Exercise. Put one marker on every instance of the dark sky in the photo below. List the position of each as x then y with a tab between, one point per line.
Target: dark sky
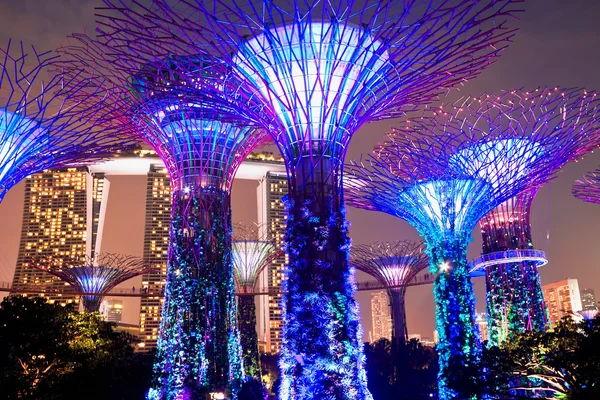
558	45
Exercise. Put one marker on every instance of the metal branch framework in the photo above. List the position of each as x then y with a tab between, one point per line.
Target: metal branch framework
177	105
38	128
98	273
443	171
515	301
252	252
393	264
588	188
321	70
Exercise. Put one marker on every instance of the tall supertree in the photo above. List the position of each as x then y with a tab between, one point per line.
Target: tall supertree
38	129
177	106
252	252
442	172
515	300
393	264
588	188
96	274
322	70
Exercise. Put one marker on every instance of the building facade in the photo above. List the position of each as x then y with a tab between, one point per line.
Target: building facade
588	300
63	214
482	323
112	310
381	317
272	189
156	241
563	299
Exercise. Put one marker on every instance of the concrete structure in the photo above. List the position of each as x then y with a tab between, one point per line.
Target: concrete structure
63	217
112	310
271	217
381	317
563	299
588	300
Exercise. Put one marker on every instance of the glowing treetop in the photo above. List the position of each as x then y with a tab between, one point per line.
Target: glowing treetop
325	68
588	188
250	257
94	275
38	129
394	265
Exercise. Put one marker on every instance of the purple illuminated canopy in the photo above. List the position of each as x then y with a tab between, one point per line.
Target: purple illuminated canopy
588	188
44	122
97	274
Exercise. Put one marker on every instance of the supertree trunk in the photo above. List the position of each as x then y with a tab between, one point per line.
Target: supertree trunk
400	331
322	355
248	335
91	303
515	300
514	296
458	343
198	318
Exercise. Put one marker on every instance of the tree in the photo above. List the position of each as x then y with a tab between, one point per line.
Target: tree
48	351
562	363
401	370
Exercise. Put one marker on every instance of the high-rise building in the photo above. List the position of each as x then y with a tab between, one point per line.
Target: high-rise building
156	240
562	298
62	217
112	310
273	187
588	300
381	316
482	323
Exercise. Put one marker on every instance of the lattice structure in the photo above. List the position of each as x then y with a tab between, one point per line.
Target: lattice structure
97	274
588	188
38	130
252	252
444	171
515	300
393	264
322	69
173	102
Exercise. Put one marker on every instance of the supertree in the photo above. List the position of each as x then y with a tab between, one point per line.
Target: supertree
252	252
96	274
38	130
515	300
443	171
323	69
393	264
588	188
176	105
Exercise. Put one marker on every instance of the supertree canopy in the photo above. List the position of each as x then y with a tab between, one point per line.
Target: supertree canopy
97	274
252	252
177	107
442	172
38	130
588	188
515	300
393	264
322	69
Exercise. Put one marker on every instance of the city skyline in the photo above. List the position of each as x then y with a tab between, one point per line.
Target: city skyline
555	46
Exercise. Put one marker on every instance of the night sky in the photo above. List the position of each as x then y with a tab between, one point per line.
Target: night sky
557	45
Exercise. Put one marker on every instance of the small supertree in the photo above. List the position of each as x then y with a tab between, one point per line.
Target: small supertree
38	128
252	252
176	105
393	264
442	172
97	274
515	300
322	70
588	188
